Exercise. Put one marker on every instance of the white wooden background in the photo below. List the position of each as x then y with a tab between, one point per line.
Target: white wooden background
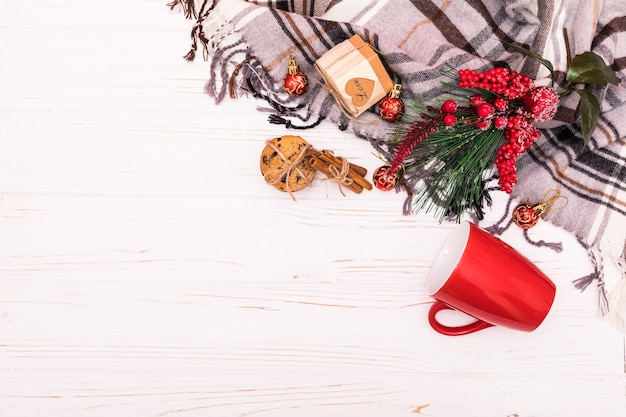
146	269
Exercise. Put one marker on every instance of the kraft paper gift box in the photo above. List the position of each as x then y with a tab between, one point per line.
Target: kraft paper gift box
354	73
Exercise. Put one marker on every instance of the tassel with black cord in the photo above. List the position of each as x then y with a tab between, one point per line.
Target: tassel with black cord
278	120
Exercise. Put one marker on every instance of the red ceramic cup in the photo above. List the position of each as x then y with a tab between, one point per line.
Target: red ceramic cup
480	275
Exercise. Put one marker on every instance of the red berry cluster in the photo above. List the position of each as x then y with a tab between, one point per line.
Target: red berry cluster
519	134
502	99
501	81
516	105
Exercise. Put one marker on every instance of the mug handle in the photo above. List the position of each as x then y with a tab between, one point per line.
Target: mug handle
453	331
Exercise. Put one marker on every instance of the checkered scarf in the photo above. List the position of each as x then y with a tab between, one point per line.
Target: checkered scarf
248	43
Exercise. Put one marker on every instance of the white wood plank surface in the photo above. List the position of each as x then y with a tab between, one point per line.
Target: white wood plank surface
146	269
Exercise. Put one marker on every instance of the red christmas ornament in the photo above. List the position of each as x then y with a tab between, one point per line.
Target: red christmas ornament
526	215
383	179
295	82
391	108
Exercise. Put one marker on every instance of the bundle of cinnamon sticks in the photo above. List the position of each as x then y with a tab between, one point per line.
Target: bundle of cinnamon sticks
339	170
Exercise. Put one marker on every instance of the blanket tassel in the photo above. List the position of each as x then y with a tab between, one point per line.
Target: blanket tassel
279	120
616	300
555	246
612	305
187	6
197	32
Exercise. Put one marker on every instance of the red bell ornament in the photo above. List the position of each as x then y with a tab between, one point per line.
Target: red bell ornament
391	108
295	82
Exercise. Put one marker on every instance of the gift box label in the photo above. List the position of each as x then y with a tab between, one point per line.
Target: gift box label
355	75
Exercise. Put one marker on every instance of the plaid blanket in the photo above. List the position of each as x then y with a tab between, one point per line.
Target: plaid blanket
249	42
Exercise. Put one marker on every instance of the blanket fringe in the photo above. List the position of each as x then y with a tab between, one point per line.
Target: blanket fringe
279	120
616	300
555	246
233	69
255	80
218	86
611	305
197	31
497	228
187	6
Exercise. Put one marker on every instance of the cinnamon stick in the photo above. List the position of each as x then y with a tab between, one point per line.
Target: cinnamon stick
357	169
333	160
319	164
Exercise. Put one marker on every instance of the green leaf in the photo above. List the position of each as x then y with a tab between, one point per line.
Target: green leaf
590	68
533	55
589	112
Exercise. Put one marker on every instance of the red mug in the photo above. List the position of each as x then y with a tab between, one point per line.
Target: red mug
480	275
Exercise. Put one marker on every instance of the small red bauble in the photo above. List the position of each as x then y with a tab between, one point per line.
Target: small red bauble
383	180
526	215
391	108
295	82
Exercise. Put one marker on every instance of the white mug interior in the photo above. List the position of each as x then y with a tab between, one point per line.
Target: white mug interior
448	257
